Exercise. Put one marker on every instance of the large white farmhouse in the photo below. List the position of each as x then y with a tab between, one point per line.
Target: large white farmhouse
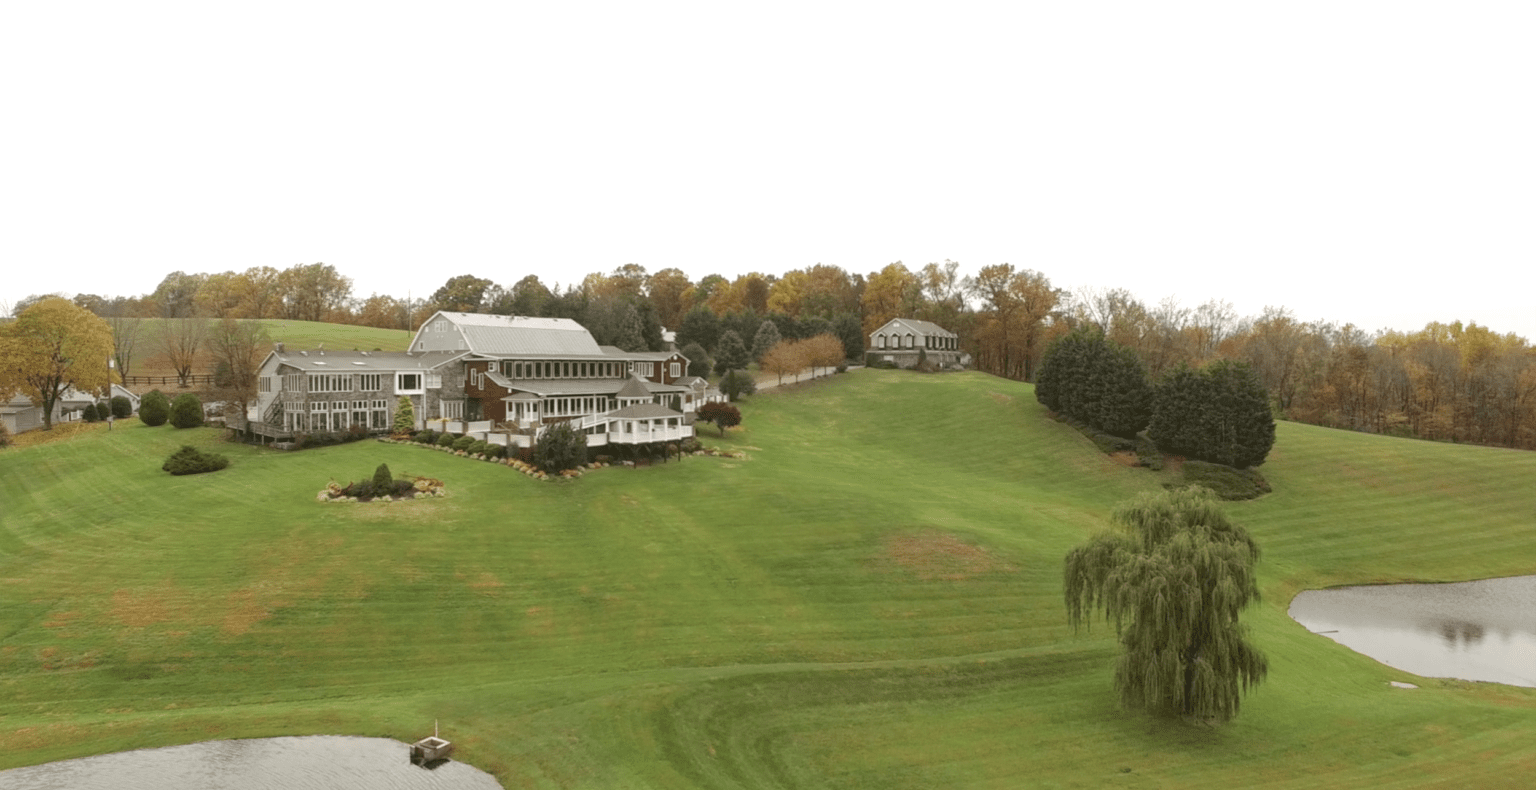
501	378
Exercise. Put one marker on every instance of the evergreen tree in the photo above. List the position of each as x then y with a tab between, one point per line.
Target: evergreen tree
699	361
1173	587
559	447
699	326
730	353
405	416
383	481
1219	414
849	330
1096	382
630	335
767	337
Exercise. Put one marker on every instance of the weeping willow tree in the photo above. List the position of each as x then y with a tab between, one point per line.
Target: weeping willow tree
1173	584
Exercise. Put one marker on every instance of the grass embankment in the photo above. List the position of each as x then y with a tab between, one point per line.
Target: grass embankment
872	599
296	335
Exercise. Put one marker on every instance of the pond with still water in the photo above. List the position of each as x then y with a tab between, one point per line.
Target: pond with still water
1483	630
322	762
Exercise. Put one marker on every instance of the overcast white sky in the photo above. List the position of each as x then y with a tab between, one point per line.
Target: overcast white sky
1365	162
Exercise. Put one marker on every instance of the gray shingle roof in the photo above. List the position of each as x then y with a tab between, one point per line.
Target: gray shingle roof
322	361
635	388
643	411
916	326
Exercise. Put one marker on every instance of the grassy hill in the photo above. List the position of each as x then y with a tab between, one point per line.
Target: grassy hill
149	361
871	599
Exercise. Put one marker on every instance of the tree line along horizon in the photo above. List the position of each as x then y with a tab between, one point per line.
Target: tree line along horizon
1448	381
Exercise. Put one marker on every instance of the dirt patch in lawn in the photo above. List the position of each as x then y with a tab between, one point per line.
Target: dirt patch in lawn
486	584
141	609
1125	458
940	556
1000	397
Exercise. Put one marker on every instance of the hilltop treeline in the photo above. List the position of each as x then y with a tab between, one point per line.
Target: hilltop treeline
1451	382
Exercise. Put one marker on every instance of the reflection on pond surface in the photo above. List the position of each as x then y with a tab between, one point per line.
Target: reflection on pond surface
322	762
1484	630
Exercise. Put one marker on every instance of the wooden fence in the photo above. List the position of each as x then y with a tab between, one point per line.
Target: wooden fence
130	381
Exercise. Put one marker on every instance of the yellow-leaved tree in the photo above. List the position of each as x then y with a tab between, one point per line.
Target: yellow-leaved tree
53	346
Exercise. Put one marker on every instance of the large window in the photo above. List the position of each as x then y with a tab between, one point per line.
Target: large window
330	382
369	382
677	370
378	411
407	382
645	369
452	409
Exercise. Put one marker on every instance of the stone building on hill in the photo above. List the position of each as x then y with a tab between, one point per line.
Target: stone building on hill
904	340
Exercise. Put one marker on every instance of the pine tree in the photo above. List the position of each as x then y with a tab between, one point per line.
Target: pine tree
405	416
631	331
1090	379
1218	414
1174	587
766	338
731	353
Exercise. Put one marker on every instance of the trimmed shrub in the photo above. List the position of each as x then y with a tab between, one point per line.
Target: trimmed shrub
445	439
427	436
463	442
186	411
318	439
382	481
122	407
190	461
493	450
154	408
477	447
738	383
89	413
1224	481
560	447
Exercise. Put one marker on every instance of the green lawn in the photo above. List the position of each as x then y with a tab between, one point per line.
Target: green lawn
871	599
296	335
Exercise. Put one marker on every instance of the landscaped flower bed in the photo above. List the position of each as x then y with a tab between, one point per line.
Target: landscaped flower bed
365	491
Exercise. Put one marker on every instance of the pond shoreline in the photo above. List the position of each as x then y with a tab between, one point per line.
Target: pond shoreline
300	762
1482	630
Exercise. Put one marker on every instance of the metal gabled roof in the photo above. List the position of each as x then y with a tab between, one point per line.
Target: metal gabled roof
512	335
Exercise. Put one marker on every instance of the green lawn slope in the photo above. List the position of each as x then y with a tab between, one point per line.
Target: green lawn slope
296	335
872	598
